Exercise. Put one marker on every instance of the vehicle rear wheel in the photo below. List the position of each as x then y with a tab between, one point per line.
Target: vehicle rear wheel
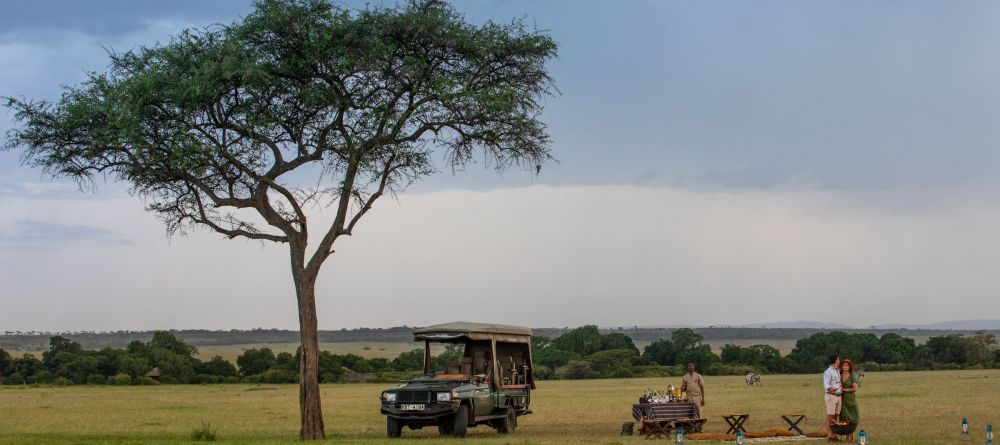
461	425
393	427
508	424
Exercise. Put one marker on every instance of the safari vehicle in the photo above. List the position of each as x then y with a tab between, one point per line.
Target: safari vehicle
491	385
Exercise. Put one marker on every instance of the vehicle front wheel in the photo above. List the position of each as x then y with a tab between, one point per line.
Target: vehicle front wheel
393	427
461	426
508	424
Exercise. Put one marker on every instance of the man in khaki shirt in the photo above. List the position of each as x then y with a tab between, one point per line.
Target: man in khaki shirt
694	385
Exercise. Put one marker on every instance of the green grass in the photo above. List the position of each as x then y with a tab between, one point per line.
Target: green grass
896	408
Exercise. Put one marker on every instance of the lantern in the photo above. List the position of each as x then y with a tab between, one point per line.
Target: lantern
989	434
965	427
862	438
739	438
679	436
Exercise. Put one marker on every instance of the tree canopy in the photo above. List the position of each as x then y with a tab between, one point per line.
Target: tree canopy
302	104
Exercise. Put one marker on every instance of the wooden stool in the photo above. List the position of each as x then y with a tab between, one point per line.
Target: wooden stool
793	425
736	422
655	429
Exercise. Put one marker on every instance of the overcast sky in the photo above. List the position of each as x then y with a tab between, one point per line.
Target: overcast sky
719	163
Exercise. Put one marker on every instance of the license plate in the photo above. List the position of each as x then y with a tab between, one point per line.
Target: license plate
413	407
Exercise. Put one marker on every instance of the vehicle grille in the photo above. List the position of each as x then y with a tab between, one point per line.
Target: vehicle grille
413	396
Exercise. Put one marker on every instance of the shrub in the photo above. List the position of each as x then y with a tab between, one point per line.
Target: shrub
394	376
541	372
273	376
62	381
120	379
576	369
280	376
207	379
96	379
144	381
43	376
652	371
331	377
14	379
724	369
205	433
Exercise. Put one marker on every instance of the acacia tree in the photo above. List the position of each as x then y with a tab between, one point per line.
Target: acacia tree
241	128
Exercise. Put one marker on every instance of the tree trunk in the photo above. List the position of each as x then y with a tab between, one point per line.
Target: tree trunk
309	403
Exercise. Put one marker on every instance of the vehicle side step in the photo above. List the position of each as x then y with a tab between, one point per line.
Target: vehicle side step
488	418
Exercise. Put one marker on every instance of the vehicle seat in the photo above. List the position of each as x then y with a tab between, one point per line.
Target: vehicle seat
466	365
479	362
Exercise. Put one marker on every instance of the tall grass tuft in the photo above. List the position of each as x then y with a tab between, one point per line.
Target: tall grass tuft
205	433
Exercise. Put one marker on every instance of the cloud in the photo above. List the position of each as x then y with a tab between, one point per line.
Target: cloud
39	188
26	234
539	256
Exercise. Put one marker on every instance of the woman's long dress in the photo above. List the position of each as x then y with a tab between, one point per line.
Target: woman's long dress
849	404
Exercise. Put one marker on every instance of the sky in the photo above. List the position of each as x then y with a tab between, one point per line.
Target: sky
719	163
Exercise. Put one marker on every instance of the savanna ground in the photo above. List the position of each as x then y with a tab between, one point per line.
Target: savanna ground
896	408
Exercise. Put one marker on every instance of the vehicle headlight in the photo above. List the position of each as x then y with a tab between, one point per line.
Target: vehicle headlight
444	397
389	396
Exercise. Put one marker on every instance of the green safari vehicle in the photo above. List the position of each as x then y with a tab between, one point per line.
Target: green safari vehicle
491	385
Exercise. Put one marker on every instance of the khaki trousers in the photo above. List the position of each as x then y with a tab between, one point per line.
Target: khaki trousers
696	400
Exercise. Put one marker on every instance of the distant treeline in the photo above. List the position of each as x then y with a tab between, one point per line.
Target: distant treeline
167	359
36	341
580	353
587	353
39	341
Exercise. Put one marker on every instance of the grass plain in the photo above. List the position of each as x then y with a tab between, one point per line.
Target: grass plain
896	408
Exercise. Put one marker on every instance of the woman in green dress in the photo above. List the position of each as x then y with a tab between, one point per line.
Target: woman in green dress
848	402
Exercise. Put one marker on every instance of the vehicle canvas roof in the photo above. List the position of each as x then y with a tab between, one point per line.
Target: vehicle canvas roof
473	331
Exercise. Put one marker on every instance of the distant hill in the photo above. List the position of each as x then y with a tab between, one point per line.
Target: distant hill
961	325
777	333
798	325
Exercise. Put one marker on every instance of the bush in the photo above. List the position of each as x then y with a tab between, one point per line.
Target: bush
62	381
394	376
43	376
14	379
737	369
96	379
273	376
332	377
541	372
207	379
576	369
120	379
144	381
652	371
205	433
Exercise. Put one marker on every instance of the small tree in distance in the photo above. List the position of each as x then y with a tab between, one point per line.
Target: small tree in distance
240	128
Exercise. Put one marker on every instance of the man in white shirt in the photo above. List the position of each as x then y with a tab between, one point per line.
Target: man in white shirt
833	390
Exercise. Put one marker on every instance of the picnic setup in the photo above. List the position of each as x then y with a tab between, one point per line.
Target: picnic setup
670	415
659	413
